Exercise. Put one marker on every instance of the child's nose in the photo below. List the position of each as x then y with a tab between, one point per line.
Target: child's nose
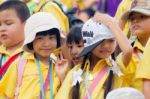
2	28
74	51
46	42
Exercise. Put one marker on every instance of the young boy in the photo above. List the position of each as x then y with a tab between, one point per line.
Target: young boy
13	15
39	76
139	16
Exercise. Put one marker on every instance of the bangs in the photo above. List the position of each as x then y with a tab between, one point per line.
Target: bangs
74	36
53	31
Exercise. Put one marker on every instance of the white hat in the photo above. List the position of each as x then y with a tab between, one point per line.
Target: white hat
125	93
93	34
41	21
139	6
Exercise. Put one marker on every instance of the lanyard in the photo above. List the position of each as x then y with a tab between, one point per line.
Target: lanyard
3	56
87	86
41	78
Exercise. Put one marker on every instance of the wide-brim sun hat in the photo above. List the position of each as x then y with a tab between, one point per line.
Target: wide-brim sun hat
93	34
41	21
138	6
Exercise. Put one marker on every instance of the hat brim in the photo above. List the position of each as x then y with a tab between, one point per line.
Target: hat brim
88	49
127	14
30	38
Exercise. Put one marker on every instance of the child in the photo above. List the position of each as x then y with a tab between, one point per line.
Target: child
125	93
143	71
13	15
139	17
75	44
39	79
86	14
94	78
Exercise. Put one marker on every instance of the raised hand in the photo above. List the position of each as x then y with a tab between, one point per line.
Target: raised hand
61	67
105	19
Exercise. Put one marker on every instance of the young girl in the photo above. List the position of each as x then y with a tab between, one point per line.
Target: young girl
94	78
75	44
39	77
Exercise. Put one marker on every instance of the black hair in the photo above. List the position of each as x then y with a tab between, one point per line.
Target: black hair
89	11
76	88
75	35
53	31
20	8
72	19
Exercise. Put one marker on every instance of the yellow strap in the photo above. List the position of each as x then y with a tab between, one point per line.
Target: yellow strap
37	9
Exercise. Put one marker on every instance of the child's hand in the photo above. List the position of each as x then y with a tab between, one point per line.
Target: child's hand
61	67
105	19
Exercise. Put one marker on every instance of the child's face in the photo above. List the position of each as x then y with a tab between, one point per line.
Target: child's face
74	50
105	49
43	46
11	28
140	24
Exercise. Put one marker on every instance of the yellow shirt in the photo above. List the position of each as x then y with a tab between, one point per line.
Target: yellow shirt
143	71
98	92
30	86
8	55
123	7
1	1
129	79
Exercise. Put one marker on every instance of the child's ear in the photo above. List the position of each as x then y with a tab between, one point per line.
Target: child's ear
24	23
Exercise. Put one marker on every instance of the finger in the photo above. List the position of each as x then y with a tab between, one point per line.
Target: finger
61	56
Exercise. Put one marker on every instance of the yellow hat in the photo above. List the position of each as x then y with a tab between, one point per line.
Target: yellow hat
54	9
69	3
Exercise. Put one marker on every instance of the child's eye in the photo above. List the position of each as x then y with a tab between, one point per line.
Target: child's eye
52	37
80	46
111	40
69	46
142	17
9	23
39	38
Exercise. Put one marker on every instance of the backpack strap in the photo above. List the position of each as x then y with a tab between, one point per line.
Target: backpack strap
40	6
21	66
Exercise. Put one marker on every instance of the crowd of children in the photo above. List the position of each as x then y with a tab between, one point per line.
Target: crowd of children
55	49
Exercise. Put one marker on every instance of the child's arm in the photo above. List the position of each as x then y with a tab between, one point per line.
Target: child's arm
121	39
146	88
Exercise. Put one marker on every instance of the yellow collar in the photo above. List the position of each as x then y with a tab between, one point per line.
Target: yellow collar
138	45
4	51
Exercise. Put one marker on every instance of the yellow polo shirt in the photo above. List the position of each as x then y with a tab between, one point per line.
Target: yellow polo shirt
129	78
98	93
30	86
8	55
143	71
